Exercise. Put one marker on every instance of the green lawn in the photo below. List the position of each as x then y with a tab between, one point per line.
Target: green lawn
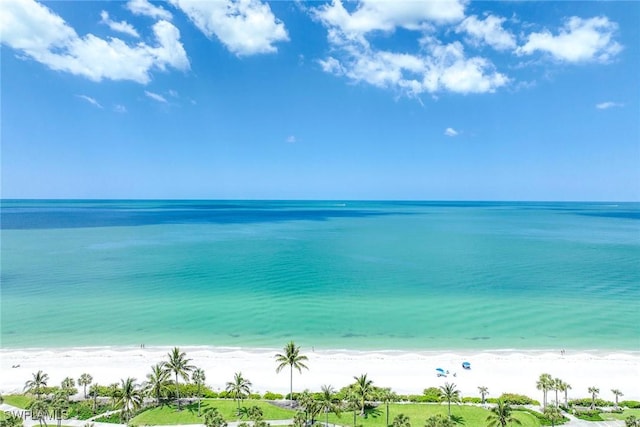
18	400
609	416
168	415
417	413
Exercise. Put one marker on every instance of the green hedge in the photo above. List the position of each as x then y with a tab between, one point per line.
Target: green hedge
587	401
632	404
589	415
514	399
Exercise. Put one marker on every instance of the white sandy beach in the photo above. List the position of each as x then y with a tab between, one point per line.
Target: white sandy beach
404	372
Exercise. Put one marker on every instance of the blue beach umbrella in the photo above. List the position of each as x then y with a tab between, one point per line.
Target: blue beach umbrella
466	365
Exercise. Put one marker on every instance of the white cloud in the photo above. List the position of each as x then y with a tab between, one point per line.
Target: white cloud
143	7
118	108
156	97
488	31
580	40
121	27
90	100
291	139
450	132
607	105
372	15
245	27
433	68
35	31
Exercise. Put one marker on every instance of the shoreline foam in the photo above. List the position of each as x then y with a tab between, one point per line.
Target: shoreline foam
405	371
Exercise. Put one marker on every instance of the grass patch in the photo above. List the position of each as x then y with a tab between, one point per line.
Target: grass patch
113	419
610	416
418	413
169	415
18	400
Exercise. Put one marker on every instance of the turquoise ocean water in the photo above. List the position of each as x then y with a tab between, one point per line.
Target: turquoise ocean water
334	275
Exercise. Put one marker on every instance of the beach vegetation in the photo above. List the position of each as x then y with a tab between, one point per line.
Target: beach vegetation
450	394
541	418
178	364
553	414
588	414
483	393
10	420
594	393
386	396
431	395
633	404
588	401
329	403
401	420
85	380
110	418
545	383
39	411
130	399
272	396
439	421
22	401
501	415
198	377
213	418
514	399
157	383
291	357
363	388
36	384
240	388
617	393
632	421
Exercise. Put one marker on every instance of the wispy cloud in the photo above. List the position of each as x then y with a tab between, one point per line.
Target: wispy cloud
121	27
451	132
119	108
156	97
143	7
90	100
291	139
607	105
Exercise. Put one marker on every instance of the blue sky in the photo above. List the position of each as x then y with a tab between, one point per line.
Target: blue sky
248	99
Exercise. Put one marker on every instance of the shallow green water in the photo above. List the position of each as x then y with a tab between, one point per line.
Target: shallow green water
358	275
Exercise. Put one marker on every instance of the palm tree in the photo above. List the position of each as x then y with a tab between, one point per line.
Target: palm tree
328	401
387	396
545	382
353	402
239	388
39	410
617	393
198	378
157	383
563	387
553	414
501	415
93	392
311	406
566	387
299	419
68	384
292	357
114	393
631	421
36	384
450	394
213	418
130	398
483	392
401	420
594	393
363	389
84	381
59	404
179	365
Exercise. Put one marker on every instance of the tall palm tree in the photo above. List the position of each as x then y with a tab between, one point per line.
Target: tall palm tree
213	418
39	411
328	401
594	393
545	382
617	393
386	396
401	420
198	379
557	386
311	406
353	402
483	393
450	393
114	393
93	392
130	399
157	383
35	385
179	365
239	388
291	357
363	389
563	387
84	381
566	387
59	404
501	415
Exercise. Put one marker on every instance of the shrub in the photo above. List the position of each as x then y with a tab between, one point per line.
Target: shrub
255	396
431	394
542	419
631	404
517	399
272	396
81	411
588	415
113	419
471	400
586	402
